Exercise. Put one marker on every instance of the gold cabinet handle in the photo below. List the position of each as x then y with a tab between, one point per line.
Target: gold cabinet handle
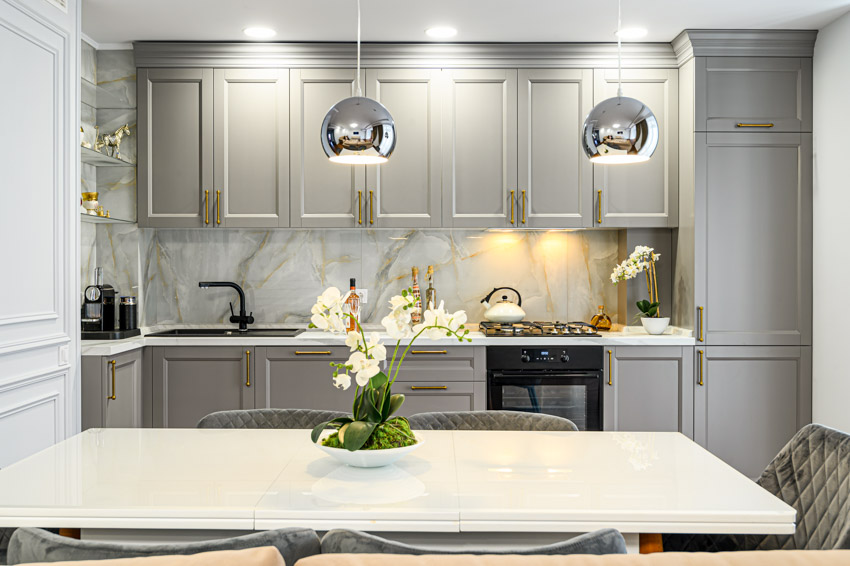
206	207
700	355
371	207
523	206
360	207
599	206
113	396
513	193
310	353
218	207
418	387
745	125
699	333
610	367
247	368
417	352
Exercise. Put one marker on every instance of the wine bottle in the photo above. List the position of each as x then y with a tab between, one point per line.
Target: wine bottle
416	310
430	292
352	307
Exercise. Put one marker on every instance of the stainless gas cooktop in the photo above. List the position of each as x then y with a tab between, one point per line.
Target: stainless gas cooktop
527	328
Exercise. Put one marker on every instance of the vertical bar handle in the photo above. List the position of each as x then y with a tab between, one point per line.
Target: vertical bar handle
218	207
206	206
247	368
700	337
371	207
523	206
610	369
513	202
113	396
700	354
599	206
360	207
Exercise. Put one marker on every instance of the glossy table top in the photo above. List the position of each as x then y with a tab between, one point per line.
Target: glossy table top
456	481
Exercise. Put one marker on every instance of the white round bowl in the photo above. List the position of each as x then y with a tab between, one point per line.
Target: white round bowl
368	458
655	325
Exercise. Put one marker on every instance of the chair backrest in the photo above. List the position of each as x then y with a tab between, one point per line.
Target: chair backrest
344	541
37	545
268	418
489	420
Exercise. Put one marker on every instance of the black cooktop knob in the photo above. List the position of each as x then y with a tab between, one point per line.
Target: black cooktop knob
565	358
525	358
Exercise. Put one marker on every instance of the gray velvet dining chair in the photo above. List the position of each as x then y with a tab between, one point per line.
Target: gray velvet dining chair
344	541
5	535
37	545
490	420
268	418
812	475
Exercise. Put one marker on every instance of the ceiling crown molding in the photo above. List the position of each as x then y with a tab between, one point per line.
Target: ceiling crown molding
743	43
408	55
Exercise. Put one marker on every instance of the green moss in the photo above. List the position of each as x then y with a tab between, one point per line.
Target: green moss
395	433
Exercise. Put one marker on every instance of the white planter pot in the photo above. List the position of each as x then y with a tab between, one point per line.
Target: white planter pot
655	325
368	458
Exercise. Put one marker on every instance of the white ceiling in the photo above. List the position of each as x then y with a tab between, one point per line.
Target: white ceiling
122	21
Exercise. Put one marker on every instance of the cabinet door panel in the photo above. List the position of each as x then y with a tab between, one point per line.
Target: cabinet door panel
421	397
323	194
405	192
553	171
753	90
641	195
252	147
125	410
754	224
479	148
191	382
441	364
175	147
301	378
751	402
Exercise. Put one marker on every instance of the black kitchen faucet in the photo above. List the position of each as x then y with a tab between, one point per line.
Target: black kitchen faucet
243	319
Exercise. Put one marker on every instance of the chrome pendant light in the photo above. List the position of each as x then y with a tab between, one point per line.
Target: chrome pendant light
620	129
358	130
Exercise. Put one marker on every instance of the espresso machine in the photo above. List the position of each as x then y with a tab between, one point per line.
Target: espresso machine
98	312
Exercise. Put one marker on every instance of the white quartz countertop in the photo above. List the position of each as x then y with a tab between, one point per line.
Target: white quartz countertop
456	481
629	336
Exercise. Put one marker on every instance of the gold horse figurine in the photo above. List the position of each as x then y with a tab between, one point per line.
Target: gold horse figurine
112	142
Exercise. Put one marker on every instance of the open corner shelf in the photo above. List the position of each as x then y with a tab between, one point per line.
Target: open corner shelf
101	99
88	155
92	219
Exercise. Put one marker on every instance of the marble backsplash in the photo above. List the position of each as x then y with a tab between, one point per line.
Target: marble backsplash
561	275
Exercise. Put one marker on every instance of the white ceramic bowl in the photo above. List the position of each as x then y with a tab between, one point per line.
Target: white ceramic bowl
367	458
655	325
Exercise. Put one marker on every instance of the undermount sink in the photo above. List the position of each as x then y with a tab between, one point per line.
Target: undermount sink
230	332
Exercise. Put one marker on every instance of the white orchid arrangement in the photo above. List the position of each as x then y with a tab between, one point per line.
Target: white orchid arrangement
374	402
641	260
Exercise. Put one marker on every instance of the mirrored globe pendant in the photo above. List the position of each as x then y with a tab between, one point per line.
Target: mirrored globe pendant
358	131
620	130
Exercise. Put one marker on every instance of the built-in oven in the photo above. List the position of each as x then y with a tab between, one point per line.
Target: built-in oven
565	381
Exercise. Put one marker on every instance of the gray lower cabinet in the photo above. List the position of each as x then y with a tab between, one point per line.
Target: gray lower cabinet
753	94
749	401
251	154
443	379
175	147
641	195
649	389
753	239
300	378
190	382
112	391
555	178
429	396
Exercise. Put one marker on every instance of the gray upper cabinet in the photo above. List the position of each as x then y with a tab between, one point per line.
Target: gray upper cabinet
405	191
175	126
251	148
322	194
479	148
190	382
641	195
301	378
749	401
753	244
112	391
649	389
555	186
753	94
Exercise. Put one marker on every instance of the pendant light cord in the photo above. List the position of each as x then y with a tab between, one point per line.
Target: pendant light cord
619	47
357	79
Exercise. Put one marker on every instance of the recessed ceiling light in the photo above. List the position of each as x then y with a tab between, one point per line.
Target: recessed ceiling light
441	32
259	33
631	33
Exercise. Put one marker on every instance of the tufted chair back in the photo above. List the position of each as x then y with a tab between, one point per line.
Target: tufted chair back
489	420
268	418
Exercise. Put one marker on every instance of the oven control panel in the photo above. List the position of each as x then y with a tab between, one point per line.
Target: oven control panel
551	355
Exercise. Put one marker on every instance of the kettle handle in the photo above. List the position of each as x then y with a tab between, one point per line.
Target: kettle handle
518	296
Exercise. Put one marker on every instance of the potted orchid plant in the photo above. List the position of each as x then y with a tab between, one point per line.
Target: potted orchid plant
643	260
371	425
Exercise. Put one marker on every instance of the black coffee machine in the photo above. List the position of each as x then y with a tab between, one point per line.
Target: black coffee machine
98	313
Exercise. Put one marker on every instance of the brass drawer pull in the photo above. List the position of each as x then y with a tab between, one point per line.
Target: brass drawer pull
247	368
429	352
206	207
371	207
360	207
218	207
700	355
699	334
513	192
599	206
113	396
745	125
523	206
418	387
610	367
310	353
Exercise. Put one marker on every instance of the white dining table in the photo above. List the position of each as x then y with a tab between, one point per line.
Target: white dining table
459	487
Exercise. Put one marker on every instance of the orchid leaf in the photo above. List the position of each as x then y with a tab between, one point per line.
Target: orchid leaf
317	431
371	410
395	402
357	433
379	379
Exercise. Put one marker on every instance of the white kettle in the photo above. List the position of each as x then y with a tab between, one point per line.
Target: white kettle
504	310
